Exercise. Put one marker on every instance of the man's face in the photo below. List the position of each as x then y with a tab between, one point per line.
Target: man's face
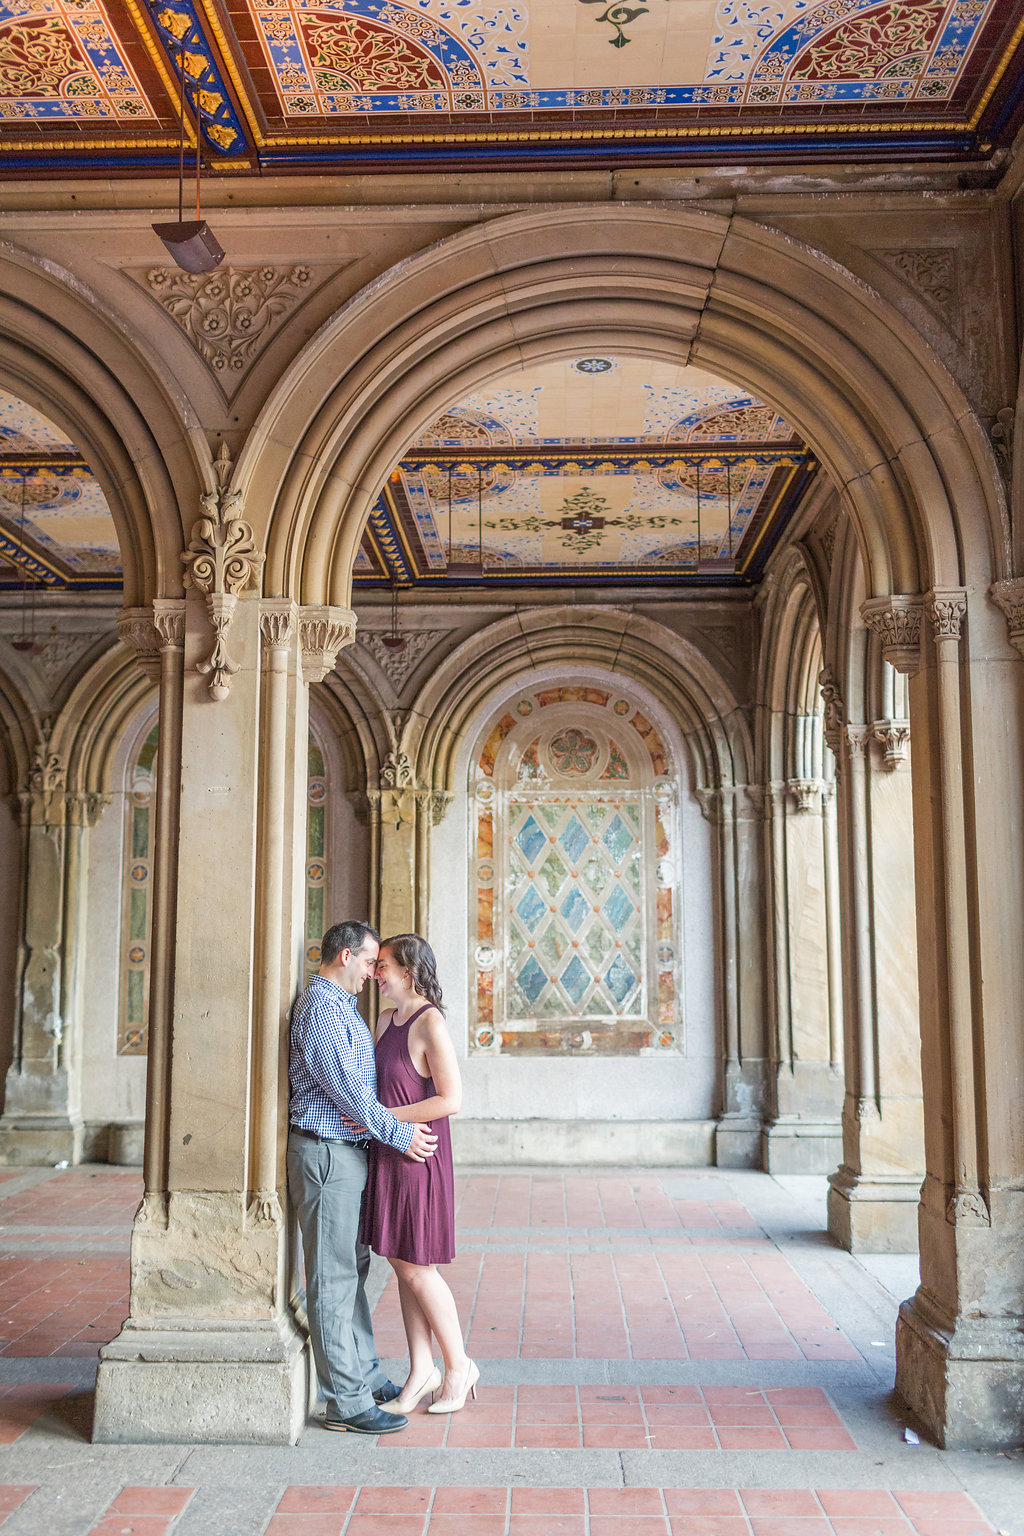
359	965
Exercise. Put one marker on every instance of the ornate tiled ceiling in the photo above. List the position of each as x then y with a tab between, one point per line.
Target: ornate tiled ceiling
55	526
293	84
577	469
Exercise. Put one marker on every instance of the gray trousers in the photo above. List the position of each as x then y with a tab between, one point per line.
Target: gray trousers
325	1185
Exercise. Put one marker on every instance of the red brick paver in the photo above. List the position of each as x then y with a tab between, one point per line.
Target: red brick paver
482	1511
140	1511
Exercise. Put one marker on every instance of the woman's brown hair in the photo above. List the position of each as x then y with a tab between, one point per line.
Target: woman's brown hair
415	955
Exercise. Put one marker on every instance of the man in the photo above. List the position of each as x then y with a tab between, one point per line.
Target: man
333	1079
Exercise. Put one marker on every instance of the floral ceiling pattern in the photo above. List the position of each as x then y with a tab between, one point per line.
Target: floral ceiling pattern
366	81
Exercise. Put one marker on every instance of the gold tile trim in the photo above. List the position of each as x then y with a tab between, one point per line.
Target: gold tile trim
228	61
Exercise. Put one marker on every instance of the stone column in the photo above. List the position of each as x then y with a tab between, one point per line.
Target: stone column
960	1340
736	811
210	1351
872	1203
42	1119
804	1135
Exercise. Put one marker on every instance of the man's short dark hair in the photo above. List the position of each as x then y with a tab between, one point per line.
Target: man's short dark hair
348	935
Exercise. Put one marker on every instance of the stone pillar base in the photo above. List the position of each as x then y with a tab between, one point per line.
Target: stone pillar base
737	1142
801	1146
40	1141
245	1385
867	1215
965	1384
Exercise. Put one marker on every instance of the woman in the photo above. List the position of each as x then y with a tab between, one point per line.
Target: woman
409	1207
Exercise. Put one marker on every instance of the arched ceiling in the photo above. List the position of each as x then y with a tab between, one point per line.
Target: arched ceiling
575	469
90	85
55	525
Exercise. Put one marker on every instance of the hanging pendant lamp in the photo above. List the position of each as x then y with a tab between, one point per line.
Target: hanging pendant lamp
191	243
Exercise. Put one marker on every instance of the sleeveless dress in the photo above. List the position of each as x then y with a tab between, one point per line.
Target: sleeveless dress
408	1207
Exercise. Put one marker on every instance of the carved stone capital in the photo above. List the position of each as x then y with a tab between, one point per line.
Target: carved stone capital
324	632
137	630
896	620
946	610
805	794
857	739
894	738
169	622
1008	597
84	808
710	801
277	622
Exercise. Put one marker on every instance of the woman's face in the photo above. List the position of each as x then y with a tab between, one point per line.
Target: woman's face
392	978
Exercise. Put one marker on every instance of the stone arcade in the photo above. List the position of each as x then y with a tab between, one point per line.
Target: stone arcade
782	782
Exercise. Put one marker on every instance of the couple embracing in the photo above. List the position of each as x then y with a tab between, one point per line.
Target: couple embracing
370	1167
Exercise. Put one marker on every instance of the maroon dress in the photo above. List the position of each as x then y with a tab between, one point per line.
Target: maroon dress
408	1207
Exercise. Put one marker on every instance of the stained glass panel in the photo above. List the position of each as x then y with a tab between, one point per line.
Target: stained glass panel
136	903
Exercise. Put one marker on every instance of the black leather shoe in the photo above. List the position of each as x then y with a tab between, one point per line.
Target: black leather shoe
386	1392
373	1422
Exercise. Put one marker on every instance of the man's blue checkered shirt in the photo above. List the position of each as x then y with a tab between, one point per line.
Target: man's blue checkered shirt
331	1070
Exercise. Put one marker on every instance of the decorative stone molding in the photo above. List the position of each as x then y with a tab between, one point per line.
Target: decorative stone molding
1001	435
1008	597
896	620
835	713
440	801
805	794
894	738
933	271
968	1208
221	561
946	611
323	632
396	664
58	654
828	541
137	630
43	800
397	772
230	315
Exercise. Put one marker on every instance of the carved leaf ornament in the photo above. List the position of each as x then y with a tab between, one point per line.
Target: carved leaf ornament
221	561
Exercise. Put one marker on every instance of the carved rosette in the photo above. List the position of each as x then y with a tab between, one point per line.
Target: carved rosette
896	621
137	630
946	610
1008	597
221	561
323	633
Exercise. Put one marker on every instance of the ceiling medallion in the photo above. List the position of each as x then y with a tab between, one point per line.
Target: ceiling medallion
593	365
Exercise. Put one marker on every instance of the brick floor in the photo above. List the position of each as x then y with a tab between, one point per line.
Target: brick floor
483	1511
621	1330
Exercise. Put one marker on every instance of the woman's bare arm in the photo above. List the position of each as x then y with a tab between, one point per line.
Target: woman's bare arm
442	1065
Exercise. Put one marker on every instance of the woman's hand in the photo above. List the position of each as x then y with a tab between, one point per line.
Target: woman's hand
353	1125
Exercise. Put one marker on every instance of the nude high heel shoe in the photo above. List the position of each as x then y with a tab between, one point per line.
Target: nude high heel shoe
406	1401
453	1404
